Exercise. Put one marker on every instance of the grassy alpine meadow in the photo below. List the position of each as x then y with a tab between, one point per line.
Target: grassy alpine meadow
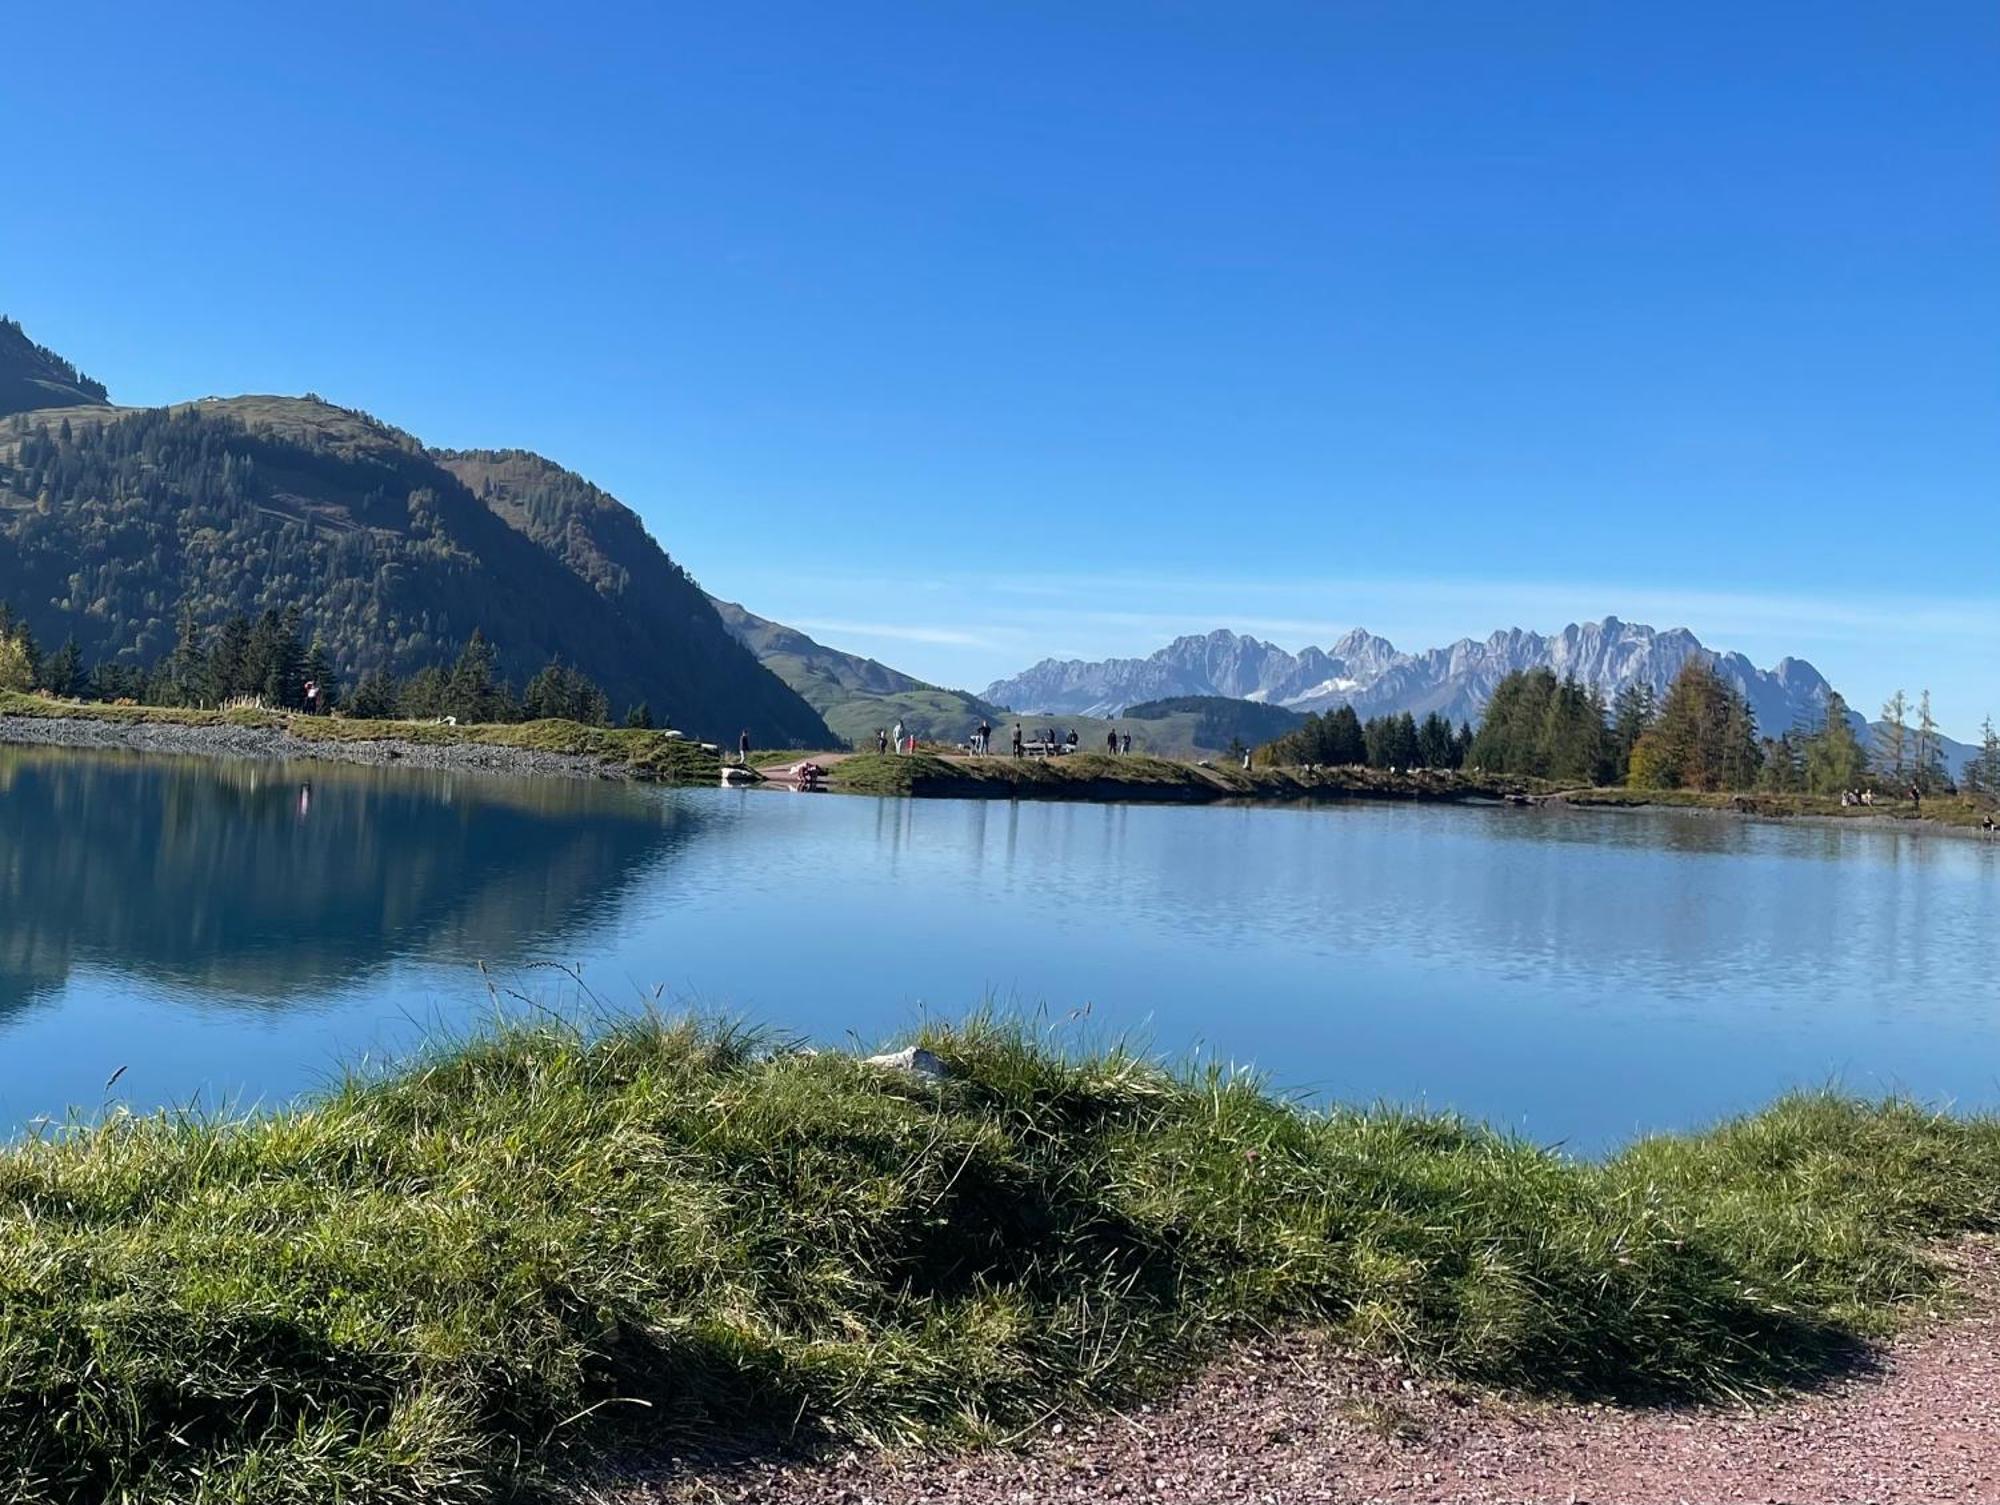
463	1281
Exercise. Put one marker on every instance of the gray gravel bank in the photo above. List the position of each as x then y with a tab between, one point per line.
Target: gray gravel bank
259	742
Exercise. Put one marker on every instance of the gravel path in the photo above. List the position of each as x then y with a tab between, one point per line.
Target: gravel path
1299	1421
260	742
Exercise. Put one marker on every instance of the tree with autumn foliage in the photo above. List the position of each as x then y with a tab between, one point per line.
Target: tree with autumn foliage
1704	736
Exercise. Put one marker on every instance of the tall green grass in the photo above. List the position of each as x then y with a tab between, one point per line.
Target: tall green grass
453	1283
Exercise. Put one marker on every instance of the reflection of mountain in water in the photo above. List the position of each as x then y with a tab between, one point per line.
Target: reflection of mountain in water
259	883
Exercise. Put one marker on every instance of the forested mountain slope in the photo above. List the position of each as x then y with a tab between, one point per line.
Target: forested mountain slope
33	376
113	519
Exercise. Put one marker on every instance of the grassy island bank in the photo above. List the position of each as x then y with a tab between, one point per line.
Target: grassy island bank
622	752
1099	776
459	1282
1966	811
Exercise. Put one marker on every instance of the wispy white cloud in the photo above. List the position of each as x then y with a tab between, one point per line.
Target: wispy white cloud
895	632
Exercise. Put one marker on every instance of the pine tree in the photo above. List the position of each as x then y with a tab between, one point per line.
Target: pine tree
1927	762
63	674
1834	761
374	697
1892	744
640	717
1704	737
474	693
425	694
1631	714
185	668
1434	742
229	660
1783	770
1342	742
1985	765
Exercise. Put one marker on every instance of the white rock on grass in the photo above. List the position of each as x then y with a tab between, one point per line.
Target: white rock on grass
914	1059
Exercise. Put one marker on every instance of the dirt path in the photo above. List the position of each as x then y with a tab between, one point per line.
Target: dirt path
1297	1421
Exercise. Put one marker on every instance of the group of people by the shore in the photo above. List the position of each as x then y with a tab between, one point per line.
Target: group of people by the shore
1044	741
896	740
1851	797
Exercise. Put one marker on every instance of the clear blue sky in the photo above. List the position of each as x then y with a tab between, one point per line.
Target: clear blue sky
1030	328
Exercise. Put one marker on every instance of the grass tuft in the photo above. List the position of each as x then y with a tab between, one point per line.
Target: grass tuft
451	1283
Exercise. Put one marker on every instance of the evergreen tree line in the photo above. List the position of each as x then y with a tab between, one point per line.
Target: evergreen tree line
269	659
1341	738
1700	735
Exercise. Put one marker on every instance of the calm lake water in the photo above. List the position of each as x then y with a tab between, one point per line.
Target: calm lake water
236	931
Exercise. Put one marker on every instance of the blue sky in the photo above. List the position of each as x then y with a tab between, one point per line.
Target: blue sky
966	334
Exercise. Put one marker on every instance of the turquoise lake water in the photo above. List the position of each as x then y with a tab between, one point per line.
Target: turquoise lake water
236	932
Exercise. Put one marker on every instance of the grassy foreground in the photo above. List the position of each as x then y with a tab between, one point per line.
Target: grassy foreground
637	754
454	1283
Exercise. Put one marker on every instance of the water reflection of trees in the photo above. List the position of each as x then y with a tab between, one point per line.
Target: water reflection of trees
262	883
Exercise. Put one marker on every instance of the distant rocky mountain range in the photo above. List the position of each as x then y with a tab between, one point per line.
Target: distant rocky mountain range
1376	678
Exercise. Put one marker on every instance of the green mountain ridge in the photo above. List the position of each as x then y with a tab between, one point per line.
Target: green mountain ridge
33	376
112	518
857	696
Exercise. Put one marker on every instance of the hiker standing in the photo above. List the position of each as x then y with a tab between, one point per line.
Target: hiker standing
881	739
1125	740
743	747
1018	751
1111	743
899	737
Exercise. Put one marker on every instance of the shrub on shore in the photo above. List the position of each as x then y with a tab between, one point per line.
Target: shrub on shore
451	1283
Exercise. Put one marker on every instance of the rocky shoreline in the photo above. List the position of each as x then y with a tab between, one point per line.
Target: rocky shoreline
100	733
